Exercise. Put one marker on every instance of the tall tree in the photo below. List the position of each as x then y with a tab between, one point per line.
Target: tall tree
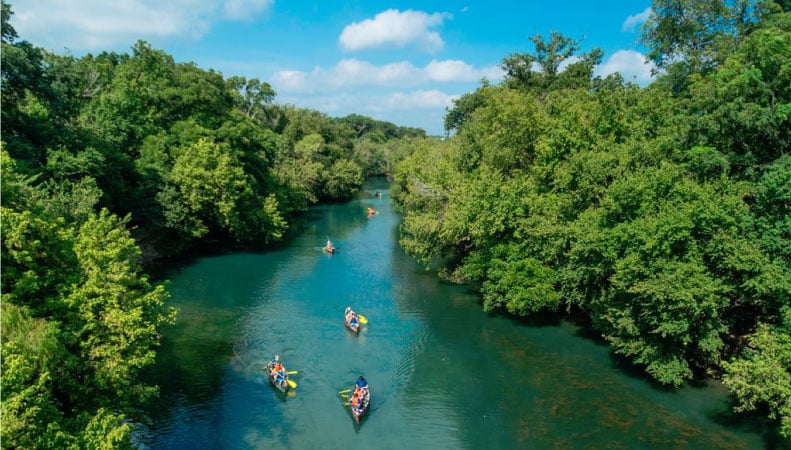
541	72
8	33
695	36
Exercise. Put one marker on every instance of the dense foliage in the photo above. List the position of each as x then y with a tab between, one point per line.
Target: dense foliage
660	215
109	160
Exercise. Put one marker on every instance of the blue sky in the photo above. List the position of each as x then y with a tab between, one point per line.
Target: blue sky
400	61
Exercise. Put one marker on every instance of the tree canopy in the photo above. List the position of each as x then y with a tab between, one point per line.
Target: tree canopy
110	161
656	215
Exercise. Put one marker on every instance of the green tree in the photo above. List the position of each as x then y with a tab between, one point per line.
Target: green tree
79	320
762	377
8	31
119	312
540	72
512	280
251	96
695	36
741	109
32	353
342	179
464	106
210	183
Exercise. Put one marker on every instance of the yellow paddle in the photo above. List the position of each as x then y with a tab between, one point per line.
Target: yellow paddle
292	372
345	390
363	320
292	384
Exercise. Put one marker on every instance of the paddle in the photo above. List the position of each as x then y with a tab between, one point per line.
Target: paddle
292	384
292	372
345	390
363	320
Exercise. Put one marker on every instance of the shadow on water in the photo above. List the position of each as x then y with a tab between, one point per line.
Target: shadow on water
539	319
753	422
162	269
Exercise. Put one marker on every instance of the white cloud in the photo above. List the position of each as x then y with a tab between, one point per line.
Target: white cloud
452	70
104	24
290	80
632	65
354	72
431	99
393	28
398	92
565	63
634	20
245	9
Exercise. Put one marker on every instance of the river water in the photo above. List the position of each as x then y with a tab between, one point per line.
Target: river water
443	374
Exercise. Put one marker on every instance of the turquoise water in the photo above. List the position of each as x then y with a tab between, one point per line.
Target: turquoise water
443	374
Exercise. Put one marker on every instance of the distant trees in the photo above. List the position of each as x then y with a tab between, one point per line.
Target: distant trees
159	140
655	214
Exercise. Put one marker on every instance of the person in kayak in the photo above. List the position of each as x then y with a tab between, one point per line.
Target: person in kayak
351	316
361	387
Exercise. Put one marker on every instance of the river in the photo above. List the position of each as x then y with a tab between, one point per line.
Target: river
443	373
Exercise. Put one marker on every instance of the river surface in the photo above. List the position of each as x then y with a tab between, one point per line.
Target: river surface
443	374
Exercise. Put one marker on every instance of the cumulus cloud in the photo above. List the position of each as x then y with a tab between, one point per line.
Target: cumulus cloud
632	65
393	28
430	99
245	9
398	92
354	72
563	64
102	24
635	20
452	70
290	80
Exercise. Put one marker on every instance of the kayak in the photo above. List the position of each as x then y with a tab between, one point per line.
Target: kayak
353	327
282	384
365	403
